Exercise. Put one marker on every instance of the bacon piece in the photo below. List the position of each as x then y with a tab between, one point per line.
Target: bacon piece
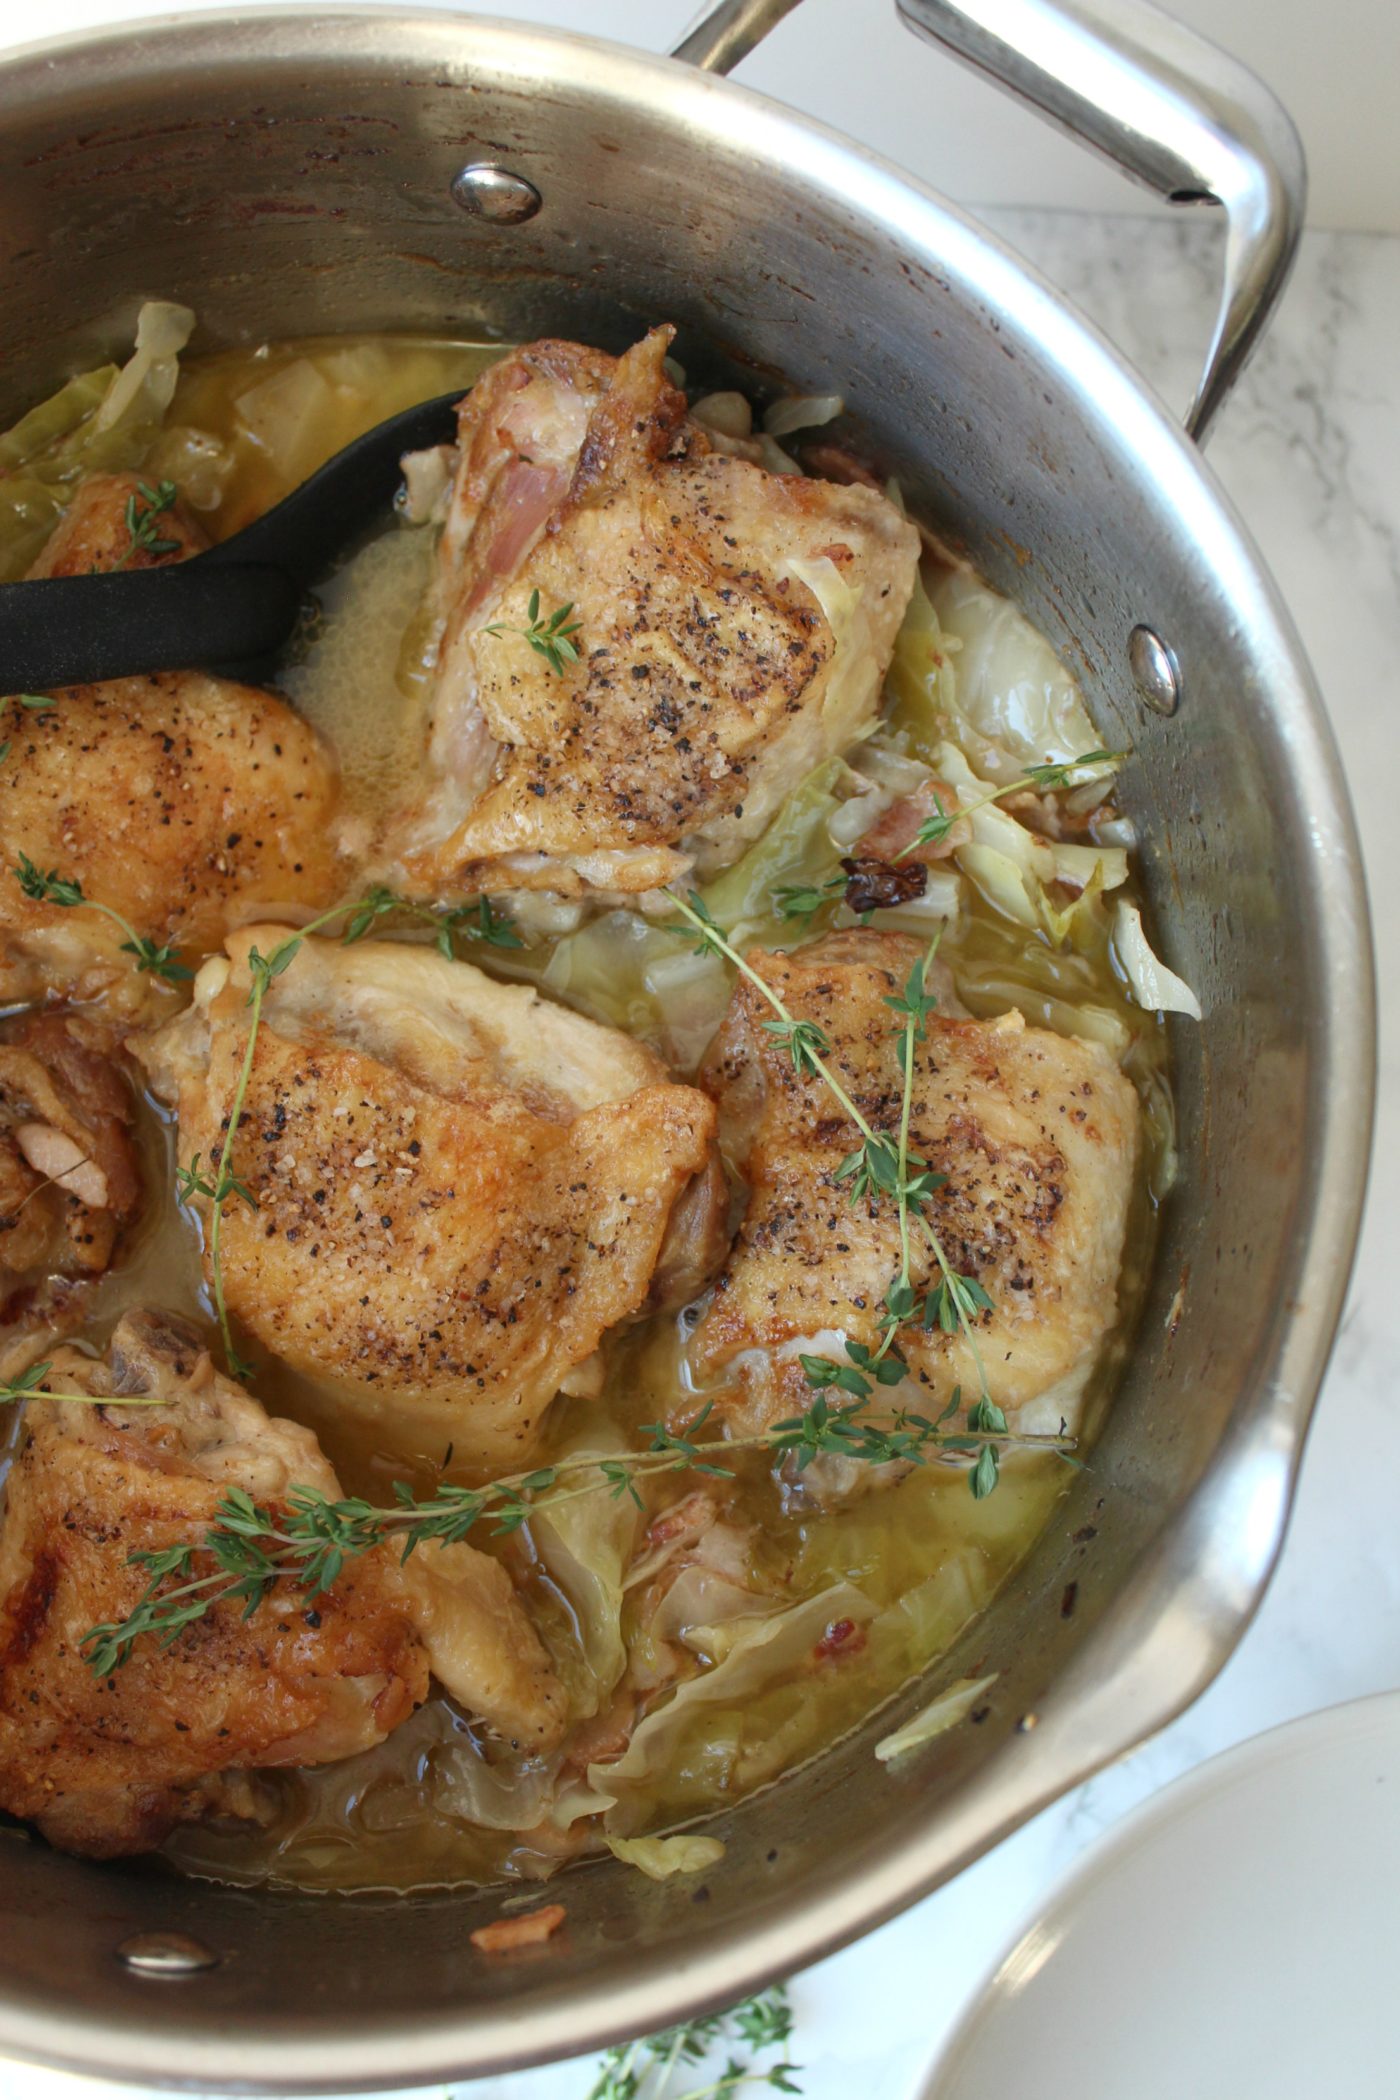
894	831
509	1935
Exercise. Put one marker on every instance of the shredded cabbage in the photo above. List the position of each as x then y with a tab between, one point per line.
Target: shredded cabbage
586	1543
196	461
727	418
936	1718
726	414
145	387
801	412
1020	704
761	1650
469	1787
102	422
846	705
1153	985
1012	865
660	1858
284	415
44	428
795	848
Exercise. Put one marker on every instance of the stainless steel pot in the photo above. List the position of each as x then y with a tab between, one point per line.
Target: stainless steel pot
287	171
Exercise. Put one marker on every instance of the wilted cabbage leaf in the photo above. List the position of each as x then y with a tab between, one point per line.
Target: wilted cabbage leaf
102	422
1153	985
760	1650
660	1858
936	1718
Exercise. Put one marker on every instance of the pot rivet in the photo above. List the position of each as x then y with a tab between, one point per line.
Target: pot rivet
491	192
1155	670
1026	1723
165	1954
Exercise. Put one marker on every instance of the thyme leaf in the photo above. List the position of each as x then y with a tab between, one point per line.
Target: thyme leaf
29	1385
67	892
936	828
307	1539
551	638
802	901
144	510
645	2070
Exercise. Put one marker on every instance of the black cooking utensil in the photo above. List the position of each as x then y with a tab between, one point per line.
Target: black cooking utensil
234	605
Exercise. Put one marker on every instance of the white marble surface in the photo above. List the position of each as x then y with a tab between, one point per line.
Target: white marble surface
1310	449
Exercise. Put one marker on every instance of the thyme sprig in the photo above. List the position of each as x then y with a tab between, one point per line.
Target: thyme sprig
308	1538
552	638
29	1385
645	2070
883	1166
476	920
800	901
67	892
805	1041
144	510
1042	779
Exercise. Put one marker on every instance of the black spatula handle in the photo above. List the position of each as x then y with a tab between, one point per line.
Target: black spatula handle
73	630
306	530
236	604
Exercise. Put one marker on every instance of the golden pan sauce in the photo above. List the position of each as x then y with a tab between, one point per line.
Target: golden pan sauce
925	1553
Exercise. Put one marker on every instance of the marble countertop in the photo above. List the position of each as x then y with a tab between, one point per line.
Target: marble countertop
1310	450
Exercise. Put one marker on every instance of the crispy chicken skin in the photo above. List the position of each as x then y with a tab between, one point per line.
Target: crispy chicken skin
109	1766
69	1174
461	1187
185	802
93	533
1037	1134
709	681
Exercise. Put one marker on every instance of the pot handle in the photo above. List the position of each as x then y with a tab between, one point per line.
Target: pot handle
1163	104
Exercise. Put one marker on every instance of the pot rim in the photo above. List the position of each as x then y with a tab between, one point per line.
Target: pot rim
1120	1686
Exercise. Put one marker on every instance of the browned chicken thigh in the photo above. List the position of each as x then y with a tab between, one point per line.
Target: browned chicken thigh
1037	1134
184	802
713	668
107	1766
460	1186
110	1765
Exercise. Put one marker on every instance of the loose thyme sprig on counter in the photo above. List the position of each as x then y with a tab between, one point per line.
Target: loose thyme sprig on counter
883	1166
644	2070
552	638
307	1539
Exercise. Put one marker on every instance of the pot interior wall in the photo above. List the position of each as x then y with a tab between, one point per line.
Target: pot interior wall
284	175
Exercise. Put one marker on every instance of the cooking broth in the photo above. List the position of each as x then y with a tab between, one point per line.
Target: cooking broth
438	1802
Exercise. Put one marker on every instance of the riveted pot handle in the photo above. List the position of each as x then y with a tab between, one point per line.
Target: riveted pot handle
1170	109
1162	103
729	32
